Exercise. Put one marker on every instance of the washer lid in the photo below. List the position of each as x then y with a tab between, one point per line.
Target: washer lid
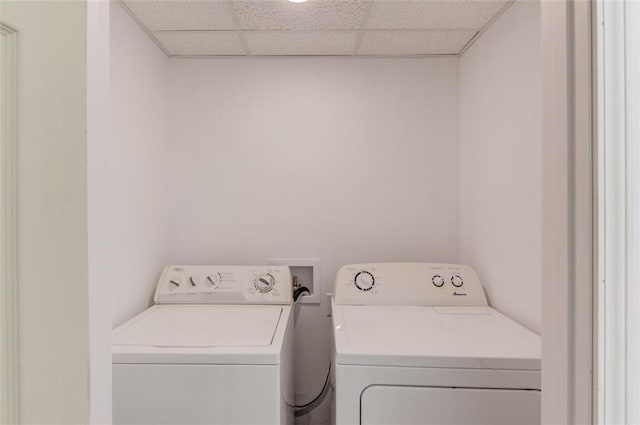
420	336
203	334
201	326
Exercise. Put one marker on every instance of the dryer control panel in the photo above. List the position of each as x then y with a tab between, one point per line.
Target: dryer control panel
409	284
224	285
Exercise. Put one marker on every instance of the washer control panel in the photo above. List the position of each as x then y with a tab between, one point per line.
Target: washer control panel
224	285
409	284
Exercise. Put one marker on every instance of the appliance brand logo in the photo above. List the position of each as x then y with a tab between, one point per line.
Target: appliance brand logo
459	294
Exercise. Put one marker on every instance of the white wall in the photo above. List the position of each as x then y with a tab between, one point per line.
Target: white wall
346	160
501	162
137	170
98	210
52	215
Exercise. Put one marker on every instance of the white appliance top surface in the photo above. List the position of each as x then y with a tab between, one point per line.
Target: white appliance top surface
202	326
425	336
221	334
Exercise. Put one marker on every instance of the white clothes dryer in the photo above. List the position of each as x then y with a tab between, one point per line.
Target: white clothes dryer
417	343
216	348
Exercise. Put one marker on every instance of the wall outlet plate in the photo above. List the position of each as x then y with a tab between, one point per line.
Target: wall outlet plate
308	272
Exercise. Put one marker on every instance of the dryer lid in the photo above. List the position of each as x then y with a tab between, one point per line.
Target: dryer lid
421	336
201	326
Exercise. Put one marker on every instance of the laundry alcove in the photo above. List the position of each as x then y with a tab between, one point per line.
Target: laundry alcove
361	131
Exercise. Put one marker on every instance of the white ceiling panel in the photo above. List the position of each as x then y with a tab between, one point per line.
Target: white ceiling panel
200	43
312	15
161	15
301	42
433	14
317	27
417	42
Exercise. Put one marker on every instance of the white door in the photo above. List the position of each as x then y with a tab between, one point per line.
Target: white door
44	269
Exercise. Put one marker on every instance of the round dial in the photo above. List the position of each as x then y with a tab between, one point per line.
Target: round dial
194	281
364	280
213	280
264	282
456	281
437	281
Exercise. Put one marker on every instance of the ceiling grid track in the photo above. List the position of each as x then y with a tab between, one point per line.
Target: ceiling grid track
143	27
362	29
485	28
238	29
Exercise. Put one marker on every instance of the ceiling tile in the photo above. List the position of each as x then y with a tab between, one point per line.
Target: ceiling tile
200	43
412	42
301	42
159	15
433	14
312	15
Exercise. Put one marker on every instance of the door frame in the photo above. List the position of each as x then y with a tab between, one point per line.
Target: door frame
9	340
569	217
569	196
99	290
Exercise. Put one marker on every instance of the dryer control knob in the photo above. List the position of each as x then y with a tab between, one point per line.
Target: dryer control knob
264	282
437	281
456	281
364	280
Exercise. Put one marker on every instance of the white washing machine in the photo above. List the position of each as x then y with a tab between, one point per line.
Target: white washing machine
216	348
417	343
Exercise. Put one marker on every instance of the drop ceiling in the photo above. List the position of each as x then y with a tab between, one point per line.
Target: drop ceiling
316	28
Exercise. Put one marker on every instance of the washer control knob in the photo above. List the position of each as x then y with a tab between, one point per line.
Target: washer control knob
437	281
364	280
265	282
456	281
174	283
213	280
193	281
